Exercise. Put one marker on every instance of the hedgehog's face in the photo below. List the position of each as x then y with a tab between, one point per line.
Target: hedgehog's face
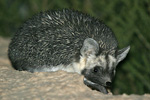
100	69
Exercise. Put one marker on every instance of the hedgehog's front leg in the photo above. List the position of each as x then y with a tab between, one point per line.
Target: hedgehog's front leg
95	86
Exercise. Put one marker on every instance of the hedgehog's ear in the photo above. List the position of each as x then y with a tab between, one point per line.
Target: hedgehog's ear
121	54
90	47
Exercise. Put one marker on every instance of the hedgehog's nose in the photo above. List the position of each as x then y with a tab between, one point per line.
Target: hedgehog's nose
108	84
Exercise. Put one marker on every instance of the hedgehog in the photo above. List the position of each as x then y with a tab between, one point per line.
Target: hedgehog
71	41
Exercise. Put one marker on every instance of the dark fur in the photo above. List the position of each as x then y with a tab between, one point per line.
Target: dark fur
45	41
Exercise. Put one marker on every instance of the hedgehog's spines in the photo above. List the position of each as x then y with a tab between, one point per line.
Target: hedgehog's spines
56	37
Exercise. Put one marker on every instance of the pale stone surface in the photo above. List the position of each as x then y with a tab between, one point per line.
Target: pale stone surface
22	85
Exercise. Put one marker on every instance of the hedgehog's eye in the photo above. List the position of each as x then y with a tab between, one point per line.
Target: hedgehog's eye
96	69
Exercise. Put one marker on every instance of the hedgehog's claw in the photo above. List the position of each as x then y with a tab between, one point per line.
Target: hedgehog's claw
95	86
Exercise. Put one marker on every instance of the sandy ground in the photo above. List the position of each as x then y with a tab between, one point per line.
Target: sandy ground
22	85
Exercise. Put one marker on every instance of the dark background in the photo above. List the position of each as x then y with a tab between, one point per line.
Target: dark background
129	19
